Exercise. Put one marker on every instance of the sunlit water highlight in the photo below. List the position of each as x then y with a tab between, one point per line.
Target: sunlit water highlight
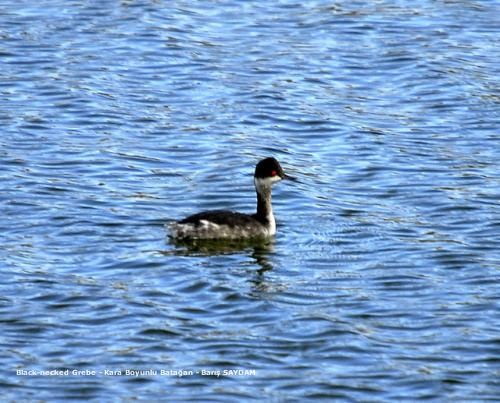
382	282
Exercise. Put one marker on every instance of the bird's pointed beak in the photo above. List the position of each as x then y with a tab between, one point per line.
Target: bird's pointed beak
288	177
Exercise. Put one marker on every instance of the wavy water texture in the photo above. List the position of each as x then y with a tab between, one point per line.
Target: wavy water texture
382	282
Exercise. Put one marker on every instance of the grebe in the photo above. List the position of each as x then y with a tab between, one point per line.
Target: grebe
222	224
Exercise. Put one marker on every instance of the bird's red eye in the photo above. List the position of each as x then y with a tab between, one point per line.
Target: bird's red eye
274	173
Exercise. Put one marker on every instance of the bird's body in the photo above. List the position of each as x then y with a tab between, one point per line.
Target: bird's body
219	224
222	224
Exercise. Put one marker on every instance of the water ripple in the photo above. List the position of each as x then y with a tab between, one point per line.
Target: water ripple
382	281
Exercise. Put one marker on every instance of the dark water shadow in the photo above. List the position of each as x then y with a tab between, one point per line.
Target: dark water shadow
258	249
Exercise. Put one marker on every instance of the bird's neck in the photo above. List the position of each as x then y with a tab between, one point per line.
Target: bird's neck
264	206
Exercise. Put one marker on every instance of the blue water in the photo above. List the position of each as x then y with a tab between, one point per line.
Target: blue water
382	282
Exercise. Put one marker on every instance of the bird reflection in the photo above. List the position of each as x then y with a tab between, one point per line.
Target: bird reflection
258	249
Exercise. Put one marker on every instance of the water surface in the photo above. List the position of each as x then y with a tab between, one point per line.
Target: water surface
382	282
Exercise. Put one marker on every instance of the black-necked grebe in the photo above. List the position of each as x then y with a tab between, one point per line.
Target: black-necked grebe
221	224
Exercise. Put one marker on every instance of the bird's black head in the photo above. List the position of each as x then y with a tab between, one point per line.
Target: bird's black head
269	168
